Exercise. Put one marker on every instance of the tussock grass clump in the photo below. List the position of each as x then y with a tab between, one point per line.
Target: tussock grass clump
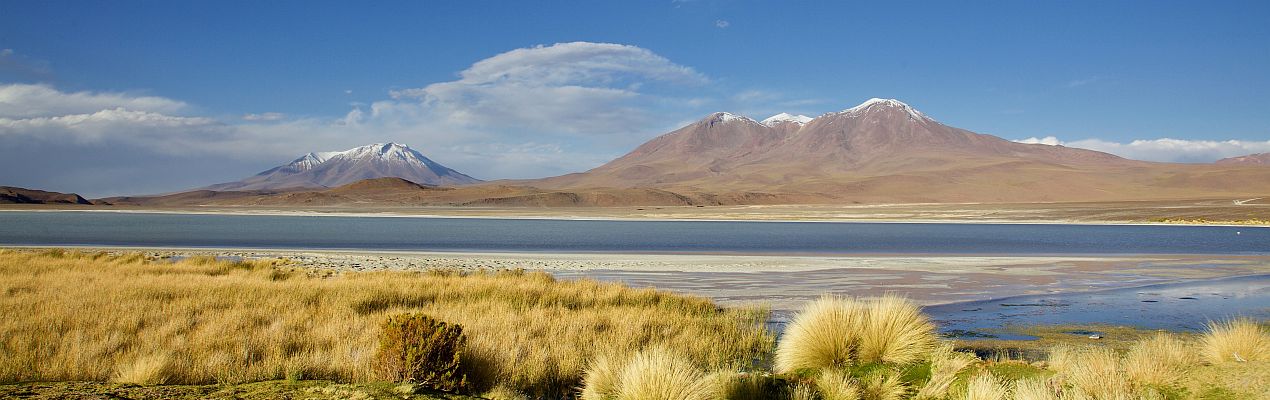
1092	372
945	364
417	349
1237	340
985	386
834	332
836	385
653	374
895	332
216	321
1034	389
1159	360
882	386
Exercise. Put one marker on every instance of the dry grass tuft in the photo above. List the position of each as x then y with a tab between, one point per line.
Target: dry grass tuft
944	366
1159	360
824	335
601	378
654	374
836	385
985	386
896	332
1091	372
144	370
835	332
1033	389
1237	340
101	315
883	386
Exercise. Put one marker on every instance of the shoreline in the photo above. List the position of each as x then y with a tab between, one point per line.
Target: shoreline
782	282
547	217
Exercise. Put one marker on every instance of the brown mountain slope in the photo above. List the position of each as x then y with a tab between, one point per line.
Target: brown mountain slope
17	195
1261	159
400	192
886	151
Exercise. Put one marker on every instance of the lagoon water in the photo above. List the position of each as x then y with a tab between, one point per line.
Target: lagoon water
67	228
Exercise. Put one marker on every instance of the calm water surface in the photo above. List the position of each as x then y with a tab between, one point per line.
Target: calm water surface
538	235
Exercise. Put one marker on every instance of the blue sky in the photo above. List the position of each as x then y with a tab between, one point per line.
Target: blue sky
136	97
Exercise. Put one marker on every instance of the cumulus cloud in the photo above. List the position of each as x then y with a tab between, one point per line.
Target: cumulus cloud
525	113
28	101
170	134
1164	149
722	24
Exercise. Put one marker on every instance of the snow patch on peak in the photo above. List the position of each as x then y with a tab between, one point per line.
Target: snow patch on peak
786	117
383	151
729	117
891	103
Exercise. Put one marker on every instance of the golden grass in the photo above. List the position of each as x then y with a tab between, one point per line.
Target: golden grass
96	317
834	332
836	385
1091	372
653	374
1239	340
660	374
882	386
1033	389
824	335
985	386
945	364
1160	360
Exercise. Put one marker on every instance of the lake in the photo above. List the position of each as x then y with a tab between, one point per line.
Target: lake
75	228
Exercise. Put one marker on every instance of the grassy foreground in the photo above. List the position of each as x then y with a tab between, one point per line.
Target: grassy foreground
72	316
81	325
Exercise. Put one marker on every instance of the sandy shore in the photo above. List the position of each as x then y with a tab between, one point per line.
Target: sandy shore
785	282
1240	212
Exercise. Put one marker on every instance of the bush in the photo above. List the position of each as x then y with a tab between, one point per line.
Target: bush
418	349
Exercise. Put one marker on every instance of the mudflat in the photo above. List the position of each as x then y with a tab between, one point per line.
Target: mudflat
1233	211
785	282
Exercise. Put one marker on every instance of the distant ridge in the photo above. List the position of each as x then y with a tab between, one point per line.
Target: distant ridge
881	151
337	168
1251	159
17	195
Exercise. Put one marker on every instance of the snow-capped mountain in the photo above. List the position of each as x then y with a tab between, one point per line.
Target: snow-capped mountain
336	168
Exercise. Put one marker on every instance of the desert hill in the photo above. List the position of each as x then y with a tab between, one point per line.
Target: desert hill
17	195
1251	159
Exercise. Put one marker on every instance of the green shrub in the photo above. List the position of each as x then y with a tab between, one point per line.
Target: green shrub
418	349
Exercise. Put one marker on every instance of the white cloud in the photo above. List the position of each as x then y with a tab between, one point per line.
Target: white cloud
27	101
580	88
169	134
722	23
1164	149
525	113
1048	140
269	116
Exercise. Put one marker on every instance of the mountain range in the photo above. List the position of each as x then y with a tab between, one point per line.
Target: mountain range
881	151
